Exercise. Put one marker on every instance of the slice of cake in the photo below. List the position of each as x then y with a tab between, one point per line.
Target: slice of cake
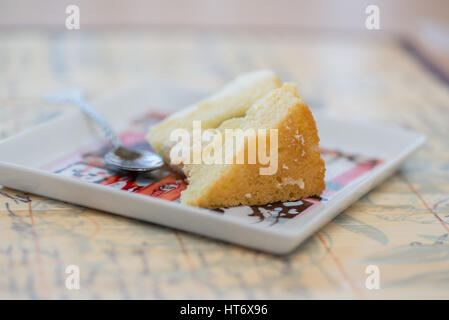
297	170
300	169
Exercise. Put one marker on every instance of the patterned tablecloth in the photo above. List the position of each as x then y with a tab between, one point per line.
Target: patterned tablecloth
401	227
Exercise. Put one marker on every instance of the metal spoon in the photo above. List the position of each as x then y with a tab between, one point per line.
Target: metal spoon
119	157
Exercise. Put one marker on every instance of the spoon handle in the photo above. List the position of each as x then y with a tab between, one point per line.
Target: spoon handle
76	97
101	122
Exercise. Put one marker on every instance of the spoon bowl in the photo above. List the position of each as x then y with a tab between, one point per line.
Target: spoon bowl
131	160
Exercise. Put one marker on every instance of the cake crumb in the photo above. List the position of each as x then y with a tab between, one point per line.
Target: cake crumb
300	138
248	195
289	180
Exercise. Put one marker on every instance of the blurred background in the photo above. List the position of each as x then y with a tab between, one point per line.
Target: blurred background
397	16
427	22
324	45
396	74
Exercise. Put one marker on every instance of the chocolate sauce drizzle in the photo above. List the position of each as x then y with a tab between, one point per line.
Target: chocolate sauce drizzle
276	211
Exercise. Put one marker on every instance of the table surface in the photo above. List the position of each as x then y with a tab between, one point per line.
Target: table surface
401	226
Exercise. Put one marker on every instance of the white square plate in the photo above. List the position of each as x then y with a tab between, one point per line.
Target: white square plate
61	159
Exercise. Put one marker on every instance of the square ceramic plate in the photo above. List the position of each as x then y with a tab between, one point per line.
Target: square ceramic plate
62	159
